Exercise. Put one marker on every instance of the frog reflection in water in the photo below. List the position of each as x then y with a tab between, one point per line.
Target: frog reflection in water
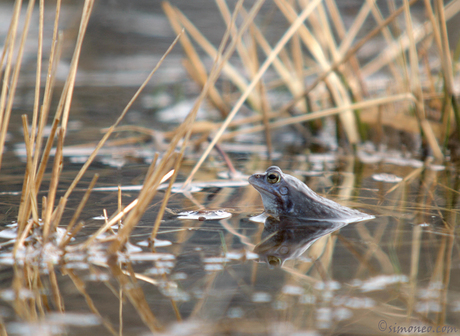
289	237
296	216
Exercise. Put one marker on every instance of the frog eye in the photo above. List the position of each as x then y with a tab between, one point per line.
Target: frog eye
273	178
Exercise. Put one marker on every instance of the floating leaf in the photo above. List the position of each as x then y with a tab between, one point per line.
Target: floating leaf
205	215
389	178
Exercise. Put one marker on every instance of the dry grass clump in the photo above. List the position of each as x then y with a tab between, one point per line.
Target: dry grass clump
316	61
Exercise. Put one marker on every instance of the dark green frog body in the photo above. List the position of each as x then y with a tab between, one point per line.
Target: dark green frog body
283	194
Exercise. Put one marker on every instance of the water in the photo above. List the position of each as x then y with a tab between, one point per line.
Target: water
400	264
392	274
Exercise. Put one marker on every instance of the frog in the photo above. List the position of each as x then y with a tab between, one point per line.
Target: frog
285	195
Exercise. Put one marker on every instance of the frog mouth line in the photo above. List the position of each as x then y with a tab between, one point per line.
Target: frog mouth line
262	190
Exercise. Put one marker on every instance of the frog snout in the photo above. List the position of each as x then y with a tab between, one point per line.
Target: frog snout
255	177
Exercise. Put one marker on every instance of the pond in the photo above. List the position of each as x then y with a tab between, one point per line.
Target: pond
215	266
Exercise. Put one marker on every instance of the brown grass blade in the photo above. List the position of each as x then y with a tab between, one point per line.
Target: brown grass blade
324	113
30	194
198	70
110	223
232	73
5	114
417	86
82	203
52	65
57	168
38	73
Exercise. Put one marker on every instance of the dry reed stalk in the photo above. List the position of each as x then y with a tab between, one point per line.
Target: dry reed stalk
69	235
146	195
82	203
416	87
406	180
354	76
35	113
266	122
56	171
110	223
287	35
436	33
23	202
87	9
33	178
8	87
324	113
446	63
241	48
55	53
298	60
152	166
63	108
5	49
402	43
29	192
120	312
335	86
388	36
345	58
357	24
239	81
293	83
38	72
322	26
167	194
198	70
22	236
